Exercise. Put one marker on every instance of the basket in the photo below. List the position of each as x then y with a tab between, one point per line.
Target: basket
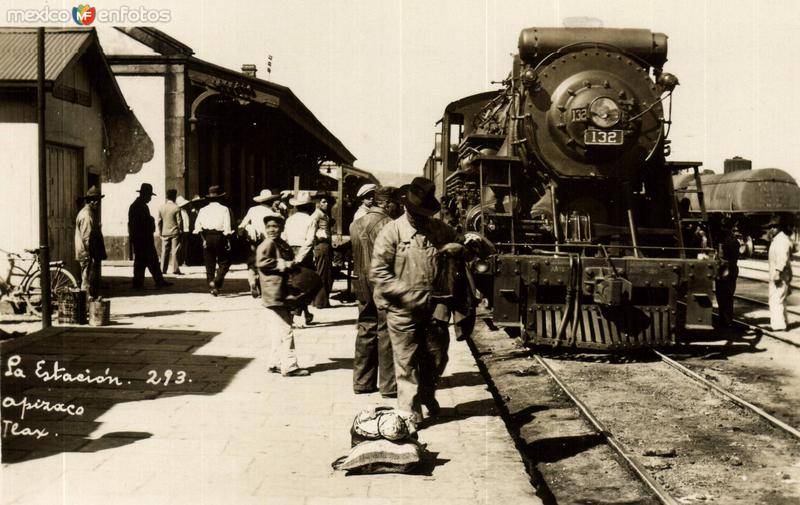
99	312
72	306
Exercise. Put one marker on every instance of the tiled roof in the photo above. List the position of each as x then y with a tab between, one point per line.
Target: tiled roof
18	52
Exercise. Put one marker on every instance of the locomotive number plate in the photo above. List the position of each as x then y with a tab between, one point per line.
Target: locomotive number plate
603	137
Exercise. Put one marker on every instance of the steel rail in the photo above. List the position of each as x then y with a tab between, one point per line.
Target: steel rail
741	402
768	333
615	444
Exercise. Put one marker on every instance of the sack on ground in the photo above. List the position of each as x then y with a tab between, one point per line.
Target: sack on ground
381	422
381	456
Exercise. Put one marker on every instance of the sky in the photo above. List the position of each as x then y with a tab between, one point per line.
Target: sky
378	73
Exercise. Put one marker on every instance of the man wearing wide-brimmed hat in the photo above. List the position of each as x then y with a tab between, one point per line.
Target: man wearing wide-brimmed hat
406	258
780	271
725	288
300	236
214	225
90	248
252	227
141	230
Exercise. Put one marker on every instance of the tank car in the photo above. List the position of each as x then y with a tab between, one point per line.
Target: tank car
564	171
749	197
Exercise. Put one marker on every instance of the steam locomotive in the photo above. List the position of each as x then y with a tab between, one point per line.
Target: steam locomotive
564	172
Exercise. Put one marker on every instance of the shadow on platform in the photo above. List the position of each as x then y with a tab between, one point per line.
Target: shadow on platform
62	380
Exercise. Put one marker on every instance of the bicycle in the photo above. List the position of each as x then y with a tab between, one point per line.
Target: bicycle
28	290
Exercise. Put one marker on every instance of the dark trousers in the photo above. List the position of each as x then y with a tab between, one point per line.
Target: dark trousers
725	290
323	260
145	256
216	253
373	364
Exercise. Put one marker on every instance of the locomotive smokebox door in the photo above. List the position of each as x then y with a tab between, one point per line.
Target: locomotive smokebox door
507	286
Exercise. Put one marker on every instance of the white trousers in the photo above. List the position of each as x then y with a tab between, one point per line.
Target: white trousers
279	327
777	305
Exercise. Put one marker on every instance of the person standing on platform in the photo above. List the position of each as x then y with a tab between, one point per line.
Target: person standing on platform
780	272
90	248
252	226
322	226
373	365
214	226
405	263
141	230
726	288
300	236
275	259
186	230
366	194
170	223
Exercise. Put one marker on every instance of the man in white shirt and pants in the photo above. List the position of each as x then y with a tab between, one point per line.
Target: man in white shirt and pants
780	273
214	225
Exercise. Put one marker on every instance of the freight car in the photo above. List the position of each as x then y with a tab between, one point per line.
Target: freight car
749	197
564	171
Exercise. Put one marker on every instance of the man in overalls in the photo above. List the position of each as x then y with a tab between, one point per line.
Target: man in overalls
405	264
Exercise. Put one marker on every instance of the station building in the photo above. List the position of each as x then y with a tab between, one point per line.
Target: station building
91	134
210	126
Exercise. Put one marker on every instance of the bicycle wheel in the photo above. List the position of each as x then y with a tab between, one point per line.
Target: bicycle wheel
60	279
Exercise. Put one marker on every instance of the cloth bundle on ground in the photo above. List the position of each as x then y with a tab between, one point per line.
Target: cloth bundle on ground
303	285
383	441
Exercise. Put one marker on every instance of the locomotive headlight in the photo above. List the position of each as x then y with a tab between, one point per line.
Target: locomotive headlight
604	112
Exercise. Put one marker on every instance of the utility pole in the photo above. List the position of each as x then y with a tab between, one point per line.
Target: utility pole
44	251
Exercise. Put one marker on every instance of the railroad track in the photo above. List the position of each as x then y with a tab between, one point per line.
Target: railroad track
626	383
719	446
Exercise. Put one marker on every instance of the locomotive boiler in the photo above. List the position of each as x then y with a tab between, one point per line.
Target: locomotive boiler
564	171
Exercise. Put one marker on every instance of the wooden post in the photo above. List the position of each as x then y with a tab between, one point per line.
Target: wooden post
44	250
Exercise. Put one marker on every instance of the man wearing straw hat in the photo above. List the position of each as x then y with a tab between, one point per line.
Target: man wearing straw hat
90	249
252	227
214	225
141	229
300	236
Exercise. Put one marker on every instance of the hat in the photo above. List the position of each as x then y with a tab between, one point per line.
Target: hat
146	189
181	201
327	196
265	196
274	217
365	190
775	221
303	198
418	197
214	192
93	194
386	193
196	199
286	193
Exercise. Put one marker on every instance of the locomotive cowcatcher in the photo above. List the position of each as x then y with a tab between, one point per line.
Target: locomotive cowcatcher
563	171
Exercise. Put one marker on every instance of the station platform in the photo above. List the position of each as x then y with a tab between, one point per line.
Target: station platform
223	429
